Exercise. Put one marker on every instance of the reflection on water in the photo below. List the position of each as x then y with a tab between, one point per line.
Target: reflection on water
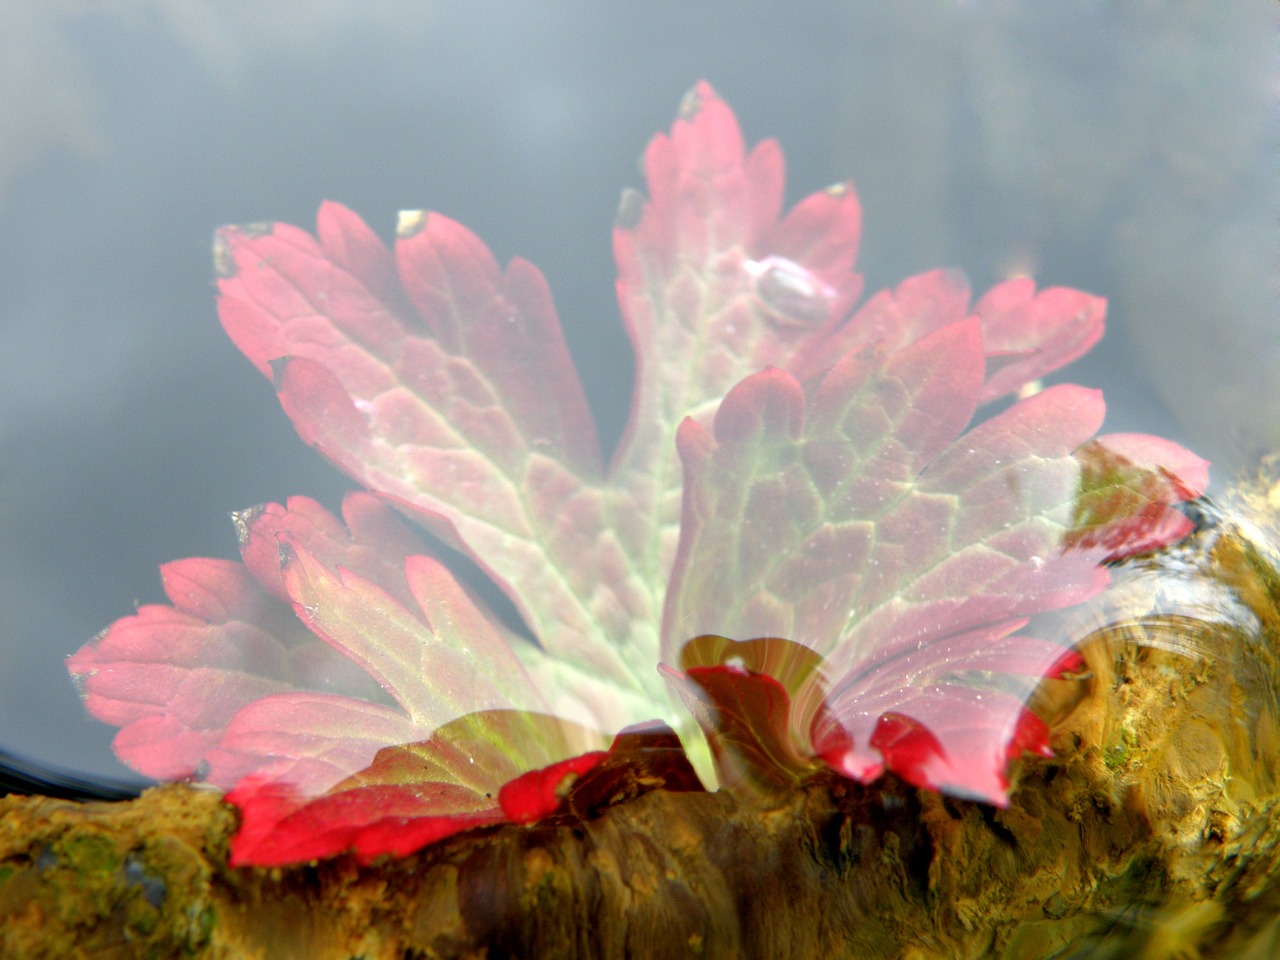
1077	138
888	590
840	499
953	603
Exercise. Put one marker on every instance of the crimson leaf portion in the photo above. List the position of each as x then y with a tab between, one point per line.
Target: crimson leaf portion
461	778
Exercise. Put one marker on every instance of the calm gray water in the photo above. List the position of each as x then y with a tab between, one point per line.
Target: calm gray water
1126	148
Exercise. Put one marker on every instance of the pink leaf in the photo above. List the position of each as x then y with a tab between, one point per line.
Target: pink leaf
890	319
712	288
1131	483
439	380
278	826
1025	334
1030	334
308	740
852	512
433	678
370	540
835	492
172	676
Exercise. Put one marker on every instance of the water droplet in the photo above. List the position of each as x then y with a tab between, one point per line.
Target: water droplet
224	262
1030	389
630	210
410	222
791	295
690	104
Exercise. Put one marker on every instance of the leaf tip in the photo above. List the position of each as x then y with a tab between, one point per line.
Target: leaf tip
693	442
769	402
540	793
287	558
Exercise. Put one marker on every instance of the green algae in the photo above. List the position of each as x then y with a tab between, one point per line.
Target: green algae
89	852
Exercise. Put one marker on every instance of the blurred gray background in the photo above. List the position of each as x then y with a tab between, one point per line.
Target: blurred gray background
1128	148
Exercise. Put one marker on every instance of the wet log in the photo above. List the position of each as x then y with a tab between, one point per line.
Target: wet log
1154	833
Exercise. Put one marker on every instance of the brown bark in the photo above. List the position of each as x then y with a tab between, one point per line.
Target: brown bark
1155	834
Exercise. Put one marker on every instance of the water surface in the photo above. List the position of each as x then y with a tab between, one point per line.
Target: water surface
1125	149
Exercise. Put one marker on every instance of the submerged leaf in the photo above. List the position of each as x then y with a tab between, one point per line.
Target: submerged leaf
851	514
442	382
802	530
713	286
172	676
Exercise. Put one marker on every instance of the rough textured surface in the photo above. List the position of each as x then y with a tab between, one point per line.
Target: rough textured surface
1154	834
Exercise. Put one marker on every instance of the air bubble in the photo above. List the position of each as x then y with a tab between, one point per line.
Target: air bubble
790	294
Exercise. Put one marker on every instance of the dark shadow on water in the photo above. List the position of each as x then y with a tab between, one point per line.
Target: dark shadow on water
23	777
